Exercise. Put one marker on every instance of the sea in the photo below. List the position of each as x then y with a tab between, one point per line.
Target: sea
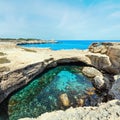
68	44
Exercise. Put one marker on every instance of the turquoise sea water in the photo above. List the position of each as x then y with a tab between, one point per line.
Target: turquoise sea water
68	44
43	93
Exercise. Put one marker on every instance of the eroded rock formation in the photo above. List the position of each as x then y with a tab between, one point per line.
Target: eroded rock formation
104	57
111	61
91	72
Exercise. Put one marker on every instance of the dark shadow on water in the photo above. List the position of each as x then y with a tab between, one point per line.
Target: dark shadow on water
4	110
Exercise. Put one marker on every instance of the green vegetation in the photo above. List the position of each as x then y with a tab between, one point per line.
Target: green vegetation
28	50
4	60
27	39
1	54
6	39
19	39
23	40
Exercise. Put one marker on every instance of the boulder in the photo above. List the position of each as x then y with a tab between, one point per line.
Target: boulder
114	55
100	61
91	72
98	48
99	83
104	50
65	100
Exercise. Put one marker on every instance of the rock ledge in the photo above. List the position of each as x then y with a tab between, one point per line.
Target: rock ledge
105	111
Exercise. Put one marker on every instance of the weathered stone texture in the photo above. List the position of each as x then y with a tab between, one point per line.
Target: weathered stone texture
105	111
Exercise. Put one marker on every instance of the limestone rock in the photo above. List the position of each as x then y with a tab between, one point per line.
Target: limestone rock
24	68
99	82
105	111
114	55
65	100
16	79
100	61
91	72
112	60
115	90
98	48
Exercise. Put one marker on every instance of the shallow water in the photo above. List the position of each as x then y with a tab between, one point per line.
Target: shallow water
43	93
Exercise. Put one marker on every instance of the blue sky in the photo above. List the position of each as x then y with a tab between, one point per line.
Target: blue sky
60	19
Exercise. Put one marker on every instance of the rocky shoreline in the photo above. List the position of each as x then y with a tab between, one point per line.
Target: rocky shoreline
19	66
21	41
105	111
35	42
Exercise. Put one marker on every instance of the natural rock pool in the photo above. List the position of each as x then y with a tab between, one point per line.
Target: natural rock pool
58	88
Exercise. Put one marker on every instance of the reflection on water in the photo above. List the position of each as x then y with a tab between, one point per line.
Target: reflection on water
43	94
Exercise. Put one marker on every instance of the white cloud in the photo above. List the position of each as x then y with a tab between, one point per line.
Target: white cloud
58	20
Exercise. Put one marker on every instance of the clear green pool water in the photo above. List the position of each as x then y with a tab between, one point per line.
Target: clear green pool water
42	94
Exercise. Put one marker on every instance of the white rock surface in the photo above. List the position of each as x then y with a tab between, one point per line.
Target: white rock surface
106	111
91	72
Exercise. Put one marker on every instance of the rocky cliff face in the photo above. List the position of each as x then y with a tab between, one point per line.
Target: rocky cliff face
114	55
111	61
16	79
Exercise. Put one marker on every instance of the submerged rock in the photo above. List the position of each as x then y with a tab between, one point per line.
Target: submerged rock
101	62
90	91
65	100
91	72
80	102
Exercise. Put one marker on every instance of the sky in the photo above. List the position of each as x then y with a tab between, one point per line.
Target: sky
60	19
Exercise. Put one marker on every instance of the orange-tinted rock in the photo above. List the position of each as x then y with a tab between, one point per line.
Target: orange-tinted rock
90	91
80	102
65	100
